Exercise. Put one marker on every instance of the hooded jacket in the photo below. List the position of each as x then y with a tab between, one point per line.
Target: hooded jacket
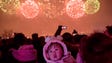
67	58
25	53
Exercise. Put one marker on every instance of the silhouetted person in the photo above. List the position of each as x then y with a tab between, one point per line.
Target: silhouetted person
108	31
24	52
41	40
68	40
97	48
19	39
35	40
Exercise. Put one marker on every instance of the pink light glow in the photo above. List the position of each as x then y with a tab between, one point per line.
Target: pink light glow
29	9
75	8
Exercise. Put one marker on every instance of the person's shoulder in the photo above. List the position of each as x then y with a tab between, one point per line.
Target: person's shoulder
69	59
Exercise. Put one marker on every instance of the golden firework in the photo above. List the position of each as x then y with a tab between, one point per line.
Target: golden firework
92	6
9	6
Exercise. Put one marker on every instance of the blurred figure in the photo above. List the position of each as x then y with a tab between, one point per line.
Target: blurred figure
6	55
108	31
97	48
24	51
68	39
1	50
78	39
41	40
35	40
19	39
35	36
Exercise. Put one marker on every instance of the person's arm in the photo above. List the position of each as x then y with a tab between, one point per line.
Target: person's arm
58	31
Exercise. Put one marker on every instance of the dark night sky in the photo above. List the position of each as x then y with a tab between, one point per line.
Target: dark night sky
46	26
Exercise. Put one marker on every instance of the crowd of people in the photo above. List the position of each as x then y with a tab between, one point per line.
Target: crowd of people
59	48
